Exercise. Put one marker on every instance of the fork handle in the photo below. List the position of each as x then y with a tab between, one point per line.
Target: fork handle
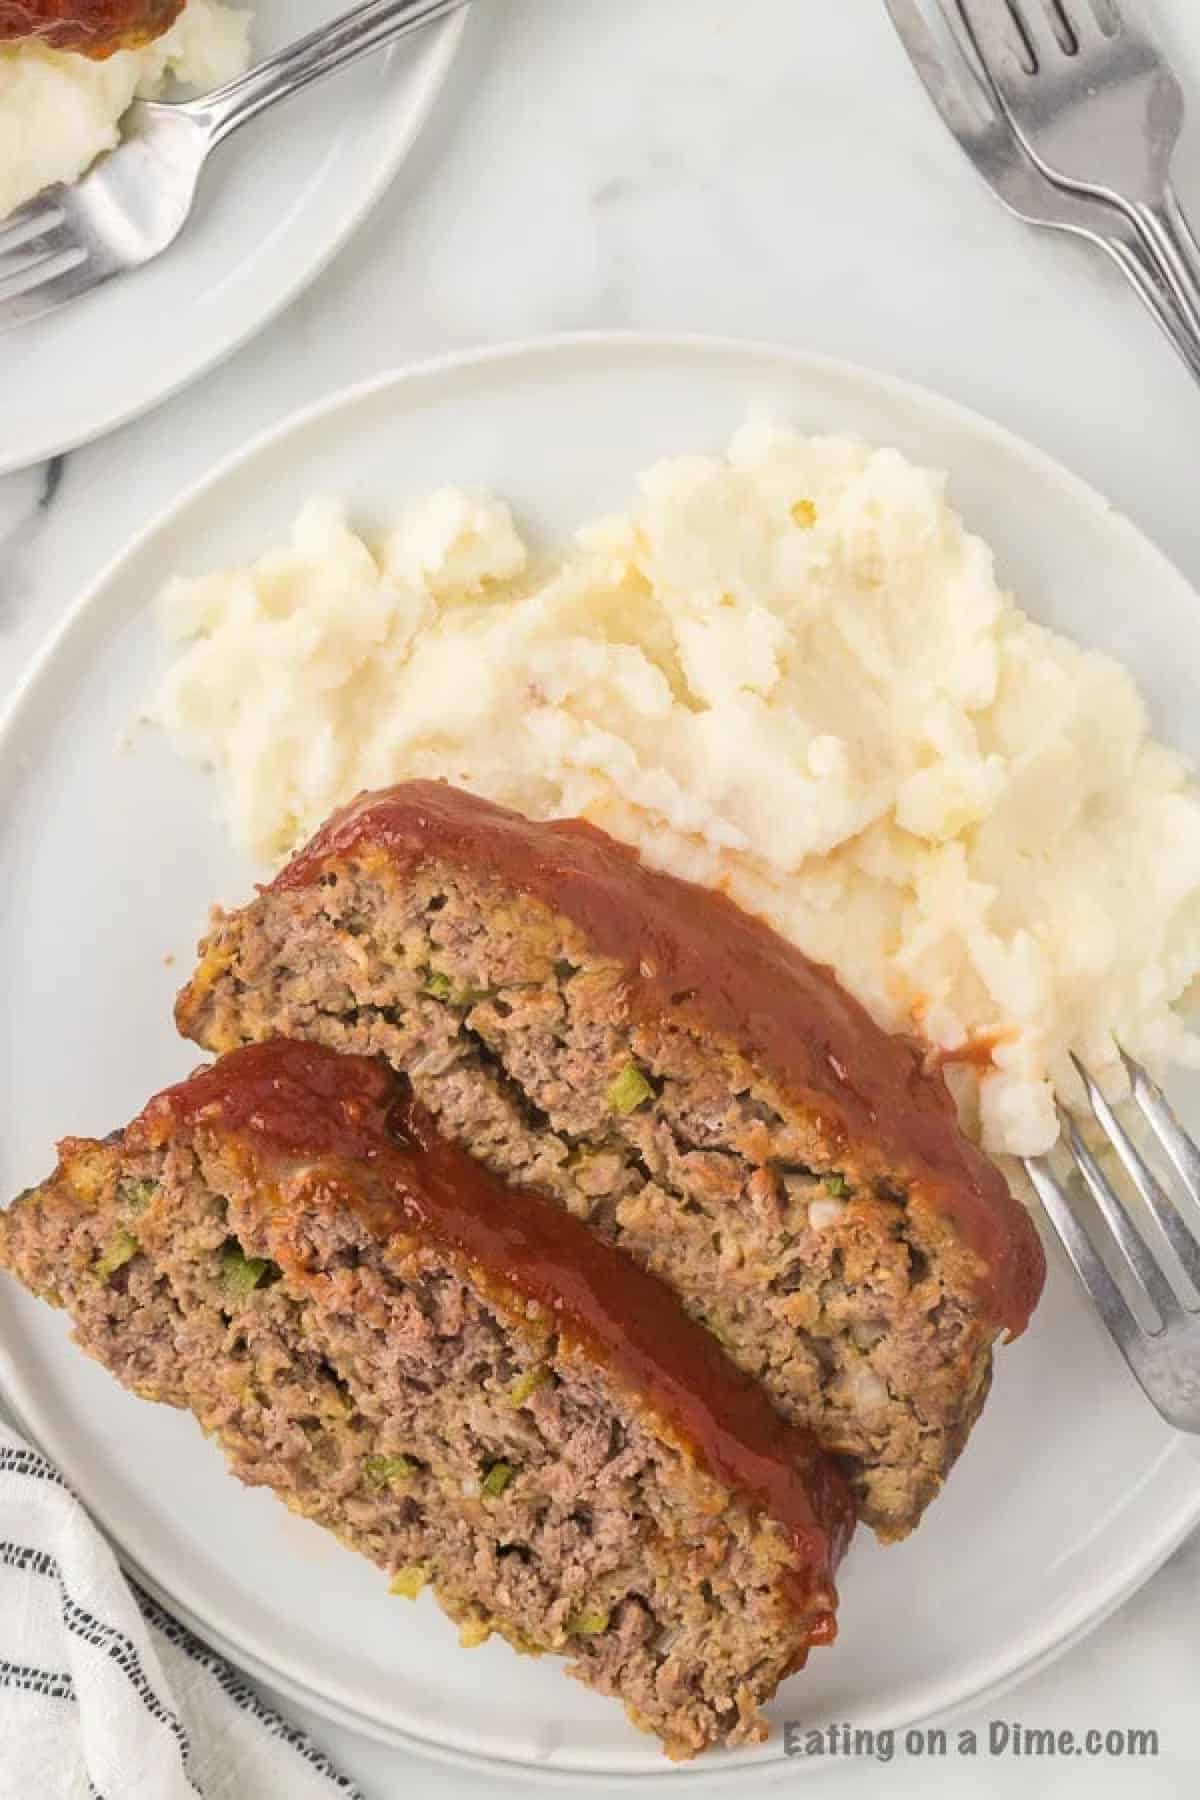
364	28
1132	263
1189	247
1169	242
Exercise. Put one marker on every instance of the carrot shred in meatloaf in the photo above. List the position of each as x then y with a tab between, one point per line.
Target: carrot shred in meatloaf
96	27
674	1072
459	1378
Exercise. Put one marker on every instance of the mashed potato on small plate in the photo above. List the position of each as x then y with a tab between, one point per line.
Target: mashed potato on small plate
60	110
790	672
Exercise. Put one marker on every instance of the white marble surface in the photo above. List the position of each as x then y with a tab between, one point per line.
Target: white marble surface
770	169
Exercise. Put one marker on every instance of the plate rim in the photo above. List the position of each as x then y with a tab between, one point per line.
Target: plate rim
445	37
947	1702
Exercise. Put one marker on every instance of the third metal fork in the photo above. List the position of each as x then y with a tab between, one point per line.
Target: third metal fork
133	202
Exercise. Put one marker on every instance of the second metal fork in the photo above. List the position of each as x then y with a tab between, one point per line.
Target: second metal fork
972	111
1094	103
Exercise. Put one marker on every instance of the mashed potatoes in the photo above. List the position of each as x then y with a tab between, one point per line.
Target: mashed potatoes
789	673
59	110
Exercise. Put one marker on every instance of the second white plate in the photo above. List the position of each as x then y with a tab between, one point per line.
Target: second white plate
274	206
1071	1490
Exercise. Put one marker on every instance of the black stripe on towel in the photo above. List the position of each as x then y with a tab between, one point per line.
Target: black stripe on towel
19	1461
243	1695
48	1684
120	1649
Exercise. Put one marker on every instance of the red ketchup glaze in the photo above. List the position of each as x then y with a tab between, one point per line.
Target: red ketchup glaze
96	27
742	980
307	1101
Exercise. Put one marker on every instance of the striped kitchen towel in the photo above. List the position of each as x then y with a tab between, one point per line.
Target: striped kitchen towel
104	1696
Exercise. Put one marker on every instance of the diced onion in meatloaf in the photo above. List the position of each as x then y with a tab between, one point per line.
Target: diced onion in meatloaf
676	1074
461	1380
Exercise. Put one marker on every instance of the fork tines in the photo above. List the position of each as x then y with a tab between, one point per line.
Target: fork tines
1164	1356
35	246
26	221
1072	23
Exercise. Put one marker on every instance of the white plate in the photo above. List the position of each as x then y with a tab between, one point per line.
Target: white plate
1071	1490
275	205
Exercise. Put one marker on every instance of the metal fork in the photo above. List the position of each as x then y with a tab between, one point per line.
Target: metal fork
135	201
971	110
1165	1356
1098	109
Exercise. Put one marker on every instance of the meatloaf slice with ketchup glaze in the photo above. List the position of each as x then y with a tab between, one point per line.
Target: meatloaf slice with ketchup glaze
462	1381
679	1076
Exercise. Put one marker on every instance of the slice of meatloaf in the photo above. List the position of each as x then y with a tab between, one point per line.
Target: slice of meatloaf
461	1380
679	1076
